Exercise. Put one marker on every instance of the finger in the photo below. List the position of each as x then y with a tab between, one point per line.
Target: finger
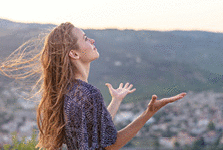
175	98
151	103
154	97
109	85
183	94
130	87
126	85
133	90
120	85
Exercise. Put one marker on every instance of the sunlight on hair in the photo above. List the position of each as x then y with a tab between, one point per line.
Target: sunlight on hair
24	66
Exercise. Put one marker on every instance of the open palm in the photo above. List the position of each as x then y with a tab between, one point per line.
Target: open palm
121	91
155	104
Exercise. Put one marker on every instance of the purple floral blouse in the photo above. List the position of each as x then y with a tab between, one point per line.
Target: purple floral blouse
89	124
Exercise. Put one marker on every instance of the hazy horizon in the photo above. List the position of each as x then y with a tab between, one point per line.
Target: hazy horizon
118	28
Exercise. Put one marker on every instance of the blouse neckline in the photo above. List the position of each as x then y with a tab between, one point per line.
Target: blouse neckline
82	81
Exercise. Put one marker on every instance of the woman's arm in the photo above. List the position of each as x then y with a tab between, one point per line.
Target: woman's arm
127	133
114	106
117	96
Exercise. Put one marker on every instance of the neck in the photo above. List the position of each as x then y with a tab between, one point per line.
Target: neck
82	71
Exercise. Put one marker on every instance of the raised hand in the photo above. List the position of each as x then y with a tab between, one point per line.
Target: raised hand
155	104
121	91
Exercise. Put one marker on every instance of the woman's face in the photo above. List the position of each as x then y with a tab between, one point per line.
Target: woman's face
87	51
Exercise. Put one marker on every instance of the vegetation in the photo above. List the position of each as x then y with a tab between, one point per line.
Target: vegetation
211	126
176	145
23	144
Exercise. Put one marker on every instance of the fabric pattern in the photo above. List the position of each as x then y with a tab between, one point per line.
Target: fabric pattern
89	124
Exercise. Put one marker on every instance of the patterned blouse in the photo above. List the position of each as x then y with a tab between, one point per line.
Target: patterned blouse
89	124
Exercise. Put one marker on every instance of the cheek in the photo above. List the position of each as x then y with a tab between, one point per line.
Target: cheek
85	48
83	51
82	48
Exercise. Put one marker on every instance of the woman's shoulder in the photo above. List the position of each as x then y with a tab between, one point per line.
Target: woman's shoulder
82	88
82	94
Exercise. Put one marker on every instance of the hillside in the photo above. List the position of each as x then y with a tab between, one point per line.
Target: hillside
162	63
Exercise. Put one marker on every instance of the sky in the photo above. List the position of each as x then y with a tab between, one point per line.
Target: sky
161	15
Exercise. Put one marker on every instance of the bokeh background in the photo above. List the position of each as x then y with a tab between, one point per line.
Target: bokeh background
161	47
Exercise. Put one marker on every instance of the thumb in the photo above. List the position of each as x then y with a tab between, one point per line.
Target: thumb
154	97
108	85
152	101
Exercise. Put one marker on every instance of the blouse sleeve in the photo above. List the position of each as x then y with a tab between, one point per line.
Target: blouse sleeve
94	128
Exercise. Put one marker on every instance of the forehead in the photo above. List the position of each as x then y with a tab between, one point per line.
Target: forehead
78	32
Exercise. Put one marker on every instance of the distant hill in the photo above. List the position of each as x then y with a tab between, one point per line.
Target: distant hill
201	48
7	24
162	63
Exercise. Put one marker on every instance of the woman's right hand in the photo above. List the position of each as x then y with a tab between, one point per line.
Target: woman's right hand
121	92
155	104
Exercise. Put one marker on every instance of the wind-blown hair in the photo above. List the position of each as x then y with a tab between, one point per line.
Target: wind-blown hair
57	73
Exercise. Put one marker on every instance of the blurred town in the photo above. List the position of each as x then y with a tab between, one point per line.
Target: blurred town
195	118
155	62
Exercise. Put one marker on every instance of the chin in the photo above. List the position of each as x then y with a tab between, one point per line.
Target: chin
96	58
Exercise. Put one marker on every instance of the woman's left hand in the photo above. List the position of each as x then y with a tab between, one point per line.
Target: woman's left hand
120	92
154	105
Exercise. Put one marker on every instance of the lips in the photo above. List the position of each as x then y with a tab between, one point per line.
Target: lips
94	48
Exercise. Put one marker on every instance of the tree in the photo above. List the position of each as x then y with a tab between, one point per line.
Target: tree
156	142
211	126
176	145
199	144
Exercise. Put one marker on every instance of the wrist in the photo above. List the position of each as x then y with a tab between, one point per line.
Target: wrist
117	99
148	114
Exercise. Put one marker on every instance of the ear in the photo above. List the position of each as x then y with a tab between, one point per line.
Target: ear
74	55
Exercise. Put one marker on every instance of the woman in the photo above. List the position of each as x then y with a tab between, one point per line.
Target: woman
71	110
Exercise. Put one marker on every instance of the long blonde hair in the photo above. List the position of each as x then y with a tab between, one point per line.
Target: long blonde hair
57	73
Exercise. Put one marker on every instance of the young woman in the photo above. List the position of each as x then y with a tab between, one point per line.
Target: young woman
71	110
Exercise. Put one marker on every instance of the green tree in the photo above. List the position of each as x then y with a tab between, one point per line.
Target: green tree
211	126
199	144
156	142
176	145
